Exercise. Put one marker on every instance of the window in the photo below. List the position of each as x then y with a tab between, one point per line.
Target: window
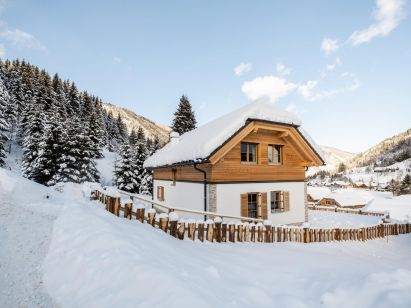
252	205
160	193
248	152
274	154
277	202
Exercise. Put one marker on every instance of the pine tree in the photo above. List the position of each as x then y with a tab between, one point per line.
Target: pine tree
122	129
184	118
4	125
140	155
125	176
133	138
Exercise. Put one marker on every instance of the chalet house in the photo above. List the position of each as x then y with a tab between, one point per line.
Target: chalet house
315	194
249	163
347	198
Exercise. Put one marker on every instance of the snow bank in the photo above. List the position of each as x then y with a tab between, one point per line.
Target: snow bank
399	207
198	144
98	260
318	193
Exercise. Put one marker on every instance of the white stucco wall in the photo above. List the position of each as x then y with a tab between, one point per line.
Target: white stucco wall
182	194
190	196
228	199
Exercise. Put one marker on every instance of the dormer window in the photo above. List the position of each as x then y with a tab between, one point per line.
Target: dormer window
275	154
248	152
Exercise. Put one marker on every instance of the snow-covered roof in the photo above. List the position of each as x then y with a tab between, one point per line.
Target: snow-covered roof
198	144
318	193
350	197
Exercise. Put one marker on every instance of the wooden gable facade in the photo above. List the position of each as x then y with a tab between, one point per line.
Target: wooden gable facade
224	165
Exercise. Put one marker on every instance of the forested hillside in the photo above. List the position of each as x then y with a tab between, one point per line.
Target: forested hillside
390	151
62	130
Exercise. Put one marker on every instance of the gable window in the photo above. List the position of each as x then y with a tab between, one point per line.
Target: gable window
160	193
274	154
252	205
248	152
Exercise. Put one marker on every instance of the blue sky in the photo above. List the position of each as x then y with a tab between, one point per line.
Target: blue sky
344	67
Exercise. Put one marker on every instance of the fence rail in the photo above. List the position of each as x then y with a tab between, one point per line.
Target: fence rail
218	231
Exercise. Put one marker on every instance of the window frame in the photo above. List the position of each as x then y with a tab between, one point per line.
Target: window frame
247	161
280	156
251	202
279	201
160	193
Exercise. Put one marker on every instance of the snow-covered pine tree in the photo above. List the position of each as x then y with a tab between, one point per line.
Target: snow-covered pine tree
33	137
122	129
133	138
140	154
141	137
125	174
4	125
184	117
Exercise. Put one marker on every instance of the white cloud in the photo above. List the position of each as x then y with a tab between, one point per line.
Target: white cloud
329	45
116	60
2	51
387	17
332	66
242	68
291	108
282	69
20	38
271	87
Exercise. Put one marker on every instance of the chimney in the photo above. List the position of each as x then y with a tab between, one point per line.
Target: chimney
174	137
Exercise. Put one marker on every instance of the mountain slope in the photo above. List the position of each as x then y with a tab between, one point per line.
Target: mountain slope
335	156
390	151
134	121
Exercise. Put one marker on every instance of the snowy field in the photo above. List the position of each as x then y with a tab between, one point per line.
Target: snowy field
71	253
325	219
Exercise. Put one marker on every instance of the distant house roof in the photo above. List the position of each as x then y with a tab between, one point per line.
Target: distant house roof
198	144
318	193
350	197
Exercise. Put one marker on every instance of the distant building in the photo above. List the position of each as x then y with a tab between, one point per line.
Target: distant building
347	198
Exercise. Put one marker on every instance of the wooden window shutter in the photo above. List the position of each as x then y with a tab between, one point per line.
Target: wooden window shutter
282	204
286	200
264	210
244	205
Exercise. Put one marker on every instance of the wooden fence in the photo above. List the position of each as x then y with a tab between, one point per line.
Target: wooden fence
346	211
218	231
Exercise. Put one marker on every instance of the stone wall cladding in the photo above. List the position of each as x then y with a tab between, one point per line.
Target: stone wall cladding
212	197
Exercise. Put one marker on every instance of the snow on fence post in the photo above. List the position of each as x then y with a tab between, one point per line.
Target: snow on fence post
231	232
163	221
200	230
210	230
181	229
191	229
151	216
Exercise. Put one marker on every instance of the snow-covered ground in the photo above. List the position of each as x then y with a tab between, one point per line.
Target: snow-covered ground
70	252
325	219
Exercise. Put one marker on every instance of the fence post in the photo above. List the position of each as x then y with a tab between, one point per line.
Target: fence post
140	214
231	232
163	222
279	234
191	230
246	232
218	230
151	216
260	232
224	232
181	229
210	231
252	231
239	232
173	228
128	210
200	230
